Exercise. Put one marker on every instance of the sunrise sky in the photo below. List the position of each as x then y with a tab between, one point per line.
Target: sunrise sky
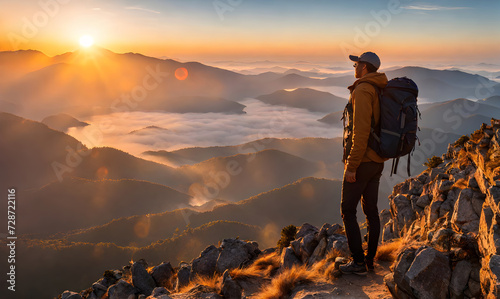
309	30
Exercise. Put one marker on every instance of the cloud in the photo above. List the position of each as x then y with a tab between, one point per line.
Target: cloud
142	9
202	129
433	7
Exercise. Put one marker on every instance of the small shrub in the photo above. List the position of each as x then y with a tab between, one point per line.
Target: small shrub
433	162
287	235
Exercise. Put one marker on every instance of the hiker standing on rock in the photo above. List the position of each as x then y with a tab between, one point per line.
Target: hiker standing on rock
363	166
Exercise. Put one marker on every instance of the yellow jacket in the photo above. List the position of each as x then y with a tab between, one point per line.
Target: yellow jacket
365	102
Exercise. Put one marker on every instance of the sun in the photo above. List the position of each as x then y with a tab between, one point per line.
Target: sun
86	41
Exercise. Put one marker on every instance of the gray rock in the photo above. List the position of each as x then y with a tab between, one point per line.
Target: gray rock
464	212
424	178
141	279
230	288
70	295
162	274
288	258
402	207
121	290
387	232
235	252
339	244
183	275
306	229
157	292
472	183
482	181
432	210
205	264
474	288
416	187
385	216
423	201
459	278
308	245
403	263
477	202
445	185
98	289
323	231
429	274
334	229
319	252
493	198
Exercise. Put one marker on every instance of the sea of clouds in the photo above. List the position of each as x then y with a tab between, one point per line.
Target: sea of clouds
181	130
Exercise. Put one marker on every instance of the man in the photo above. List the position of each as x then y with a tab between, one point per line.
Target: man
363	167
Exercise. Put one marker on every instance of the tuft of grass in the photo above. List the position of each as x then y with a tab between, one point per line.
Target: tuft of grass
461	183
212	282
433	162
283	284
265	266
388	251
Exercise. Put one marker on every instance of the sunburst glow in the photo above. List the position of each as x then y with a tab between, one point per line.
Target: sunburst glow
86	41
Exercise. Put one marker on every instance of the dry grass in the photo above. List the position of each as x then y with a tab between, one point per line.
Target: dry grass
389	251
265	266
283	284
211	282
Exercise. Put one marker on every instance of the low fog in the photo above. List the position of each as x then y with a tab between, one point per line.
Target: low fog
200	129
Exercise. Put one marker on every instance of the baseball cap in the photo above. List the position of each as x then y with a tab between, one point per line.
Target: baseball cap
369	57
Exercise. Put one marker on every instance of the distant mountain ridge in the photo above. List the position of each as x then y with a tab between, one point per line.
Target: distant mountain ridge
80	88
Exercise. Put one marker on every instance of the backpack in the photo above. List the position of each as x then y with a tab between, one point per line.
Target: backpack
396	133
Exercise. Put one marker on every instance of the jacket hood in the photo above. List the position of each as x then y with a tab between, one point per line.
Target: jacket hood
379	79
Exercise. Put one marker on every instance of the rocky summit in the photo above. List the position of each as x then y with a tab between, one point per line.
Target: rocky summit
448	218
441	234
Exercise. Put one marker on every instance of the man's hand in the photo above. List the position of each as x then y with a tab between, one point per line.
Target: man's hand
350	176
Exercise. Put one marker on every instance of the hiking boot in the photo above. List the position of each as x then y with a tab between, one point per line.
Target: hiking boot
369	264
354	268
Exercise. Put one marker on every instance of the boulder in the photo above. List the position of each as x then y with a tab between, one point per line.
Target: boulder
288	258
230	288
319	252
205	264
403	263
403	210
306	229
121	290
141	279
162	274
429	274
157	292
459	278
493	198
477	202
416	187
235	252
423	201
98	289
183	275
463	212
339	244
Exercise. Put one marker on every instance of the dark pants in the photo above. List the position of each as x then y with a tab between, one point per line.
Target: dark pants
365	189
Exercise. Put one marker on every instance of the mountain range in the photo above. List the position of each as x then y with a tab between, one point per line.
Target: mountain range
97	81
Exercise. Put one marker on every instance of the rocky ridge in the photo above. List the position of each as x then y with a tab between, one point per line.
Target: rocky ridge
445	223
448	218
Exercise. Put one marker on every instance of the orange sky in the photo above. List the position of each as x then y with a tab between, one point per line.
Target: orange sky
320	30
